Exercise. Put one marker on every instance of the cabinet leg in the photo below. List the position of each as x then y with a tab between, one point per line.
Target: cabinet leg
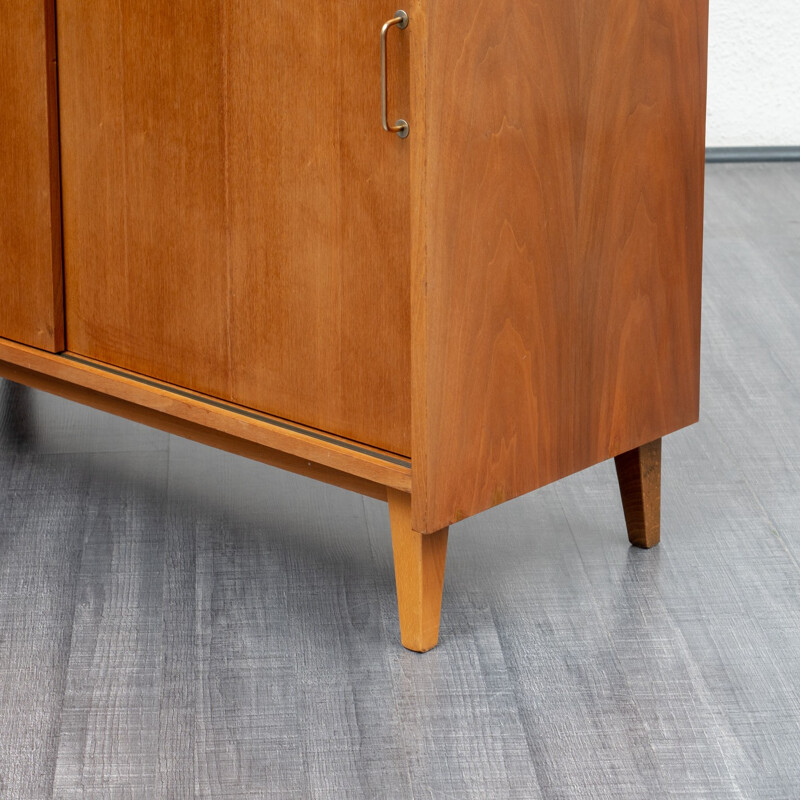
639	474
419	575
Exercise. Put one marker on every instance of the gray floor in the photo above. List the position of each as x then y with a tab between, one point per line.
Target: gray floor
178	622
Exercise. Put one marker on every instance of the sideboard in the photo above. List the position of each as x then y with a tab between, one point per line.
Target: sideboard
441	256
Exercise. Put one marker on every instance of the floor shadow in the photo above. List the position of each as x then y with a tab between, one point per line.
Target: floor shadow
17	430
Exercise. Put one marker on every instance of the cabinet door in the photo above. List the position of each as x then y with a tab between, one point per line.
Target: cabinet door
31	304
235	219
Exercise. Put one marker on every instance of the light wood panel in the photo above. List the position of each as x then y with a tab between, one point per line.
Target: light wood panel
31	299
236	221
558	247
639	475
259	437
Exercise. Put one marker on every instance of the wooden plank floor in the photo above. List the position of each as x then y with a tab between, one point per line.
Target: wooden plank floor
176	622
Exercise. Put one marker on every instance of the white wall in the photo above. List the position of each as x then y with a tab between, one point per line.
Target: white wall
754	73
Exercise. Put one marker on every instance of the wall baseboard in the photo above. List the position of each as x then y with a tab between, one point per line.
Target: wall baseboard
738	155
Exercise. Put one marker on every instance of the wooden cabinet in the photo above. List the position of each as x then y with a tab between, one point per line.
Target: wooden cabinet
509	294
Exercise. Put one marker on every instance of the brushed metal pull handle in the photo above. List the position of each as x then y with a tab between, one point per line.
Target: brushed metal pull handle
400	127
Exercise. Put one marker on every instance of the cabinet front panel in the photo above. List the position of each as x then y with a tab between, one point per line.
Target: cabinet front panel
235	219
31	303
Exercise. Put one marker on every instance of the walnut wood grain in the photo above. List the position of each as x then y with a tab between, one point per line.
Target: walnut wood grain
419	561
639	474
236	221
31	293
337	461
558	244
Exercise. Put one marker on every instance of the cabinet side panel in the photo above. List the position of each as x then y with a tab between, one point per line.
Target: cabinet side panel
563	205
31	304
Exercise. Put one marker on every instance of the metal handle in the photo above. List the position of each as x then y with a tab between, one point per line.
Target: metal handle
401	126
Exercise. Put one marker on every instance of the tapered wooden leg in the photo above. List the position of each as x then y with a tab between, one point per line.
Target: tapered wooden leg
419	574
639	474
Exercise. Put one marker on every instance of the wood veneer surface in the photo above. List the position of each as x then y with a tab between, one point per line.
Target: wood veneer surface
557	255
31	298
236	221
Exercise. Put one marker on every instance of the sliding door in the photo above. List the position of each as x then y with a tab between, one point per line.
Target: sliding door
235	220
31	304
